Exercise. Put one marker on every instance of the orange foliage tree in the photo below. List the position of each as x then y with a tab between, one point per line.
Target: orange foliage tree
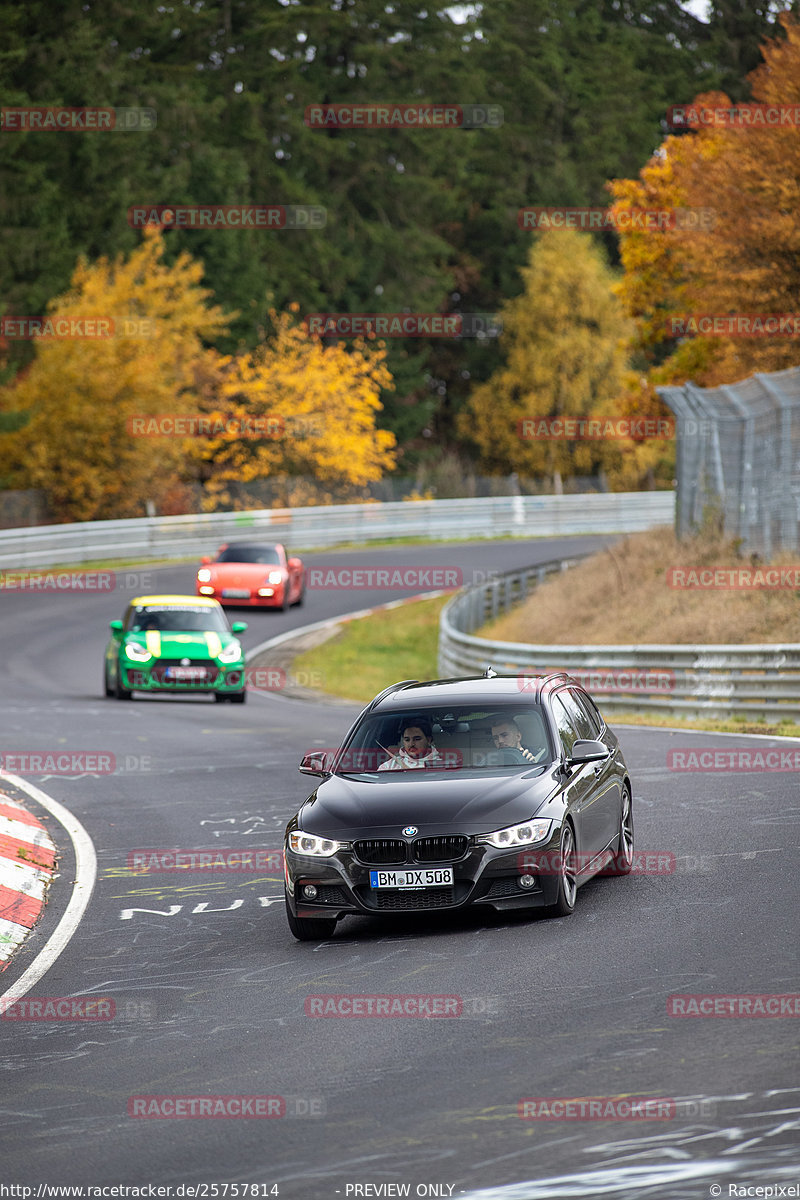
746	174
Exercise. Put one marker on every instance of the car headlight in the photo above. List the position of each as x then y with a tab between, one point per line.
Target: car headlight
309	843
517	835
275	577
137	653
231	653
204	575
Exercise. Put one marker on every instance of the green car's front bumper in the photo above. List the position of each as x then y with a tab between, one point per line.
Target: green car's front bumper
169	676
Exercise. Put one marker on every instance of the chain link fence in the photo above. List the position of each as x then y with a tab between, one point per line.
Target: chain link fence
738	453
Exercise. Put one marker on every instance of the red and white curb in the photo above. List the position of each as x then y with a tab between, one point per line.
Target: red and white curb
27	863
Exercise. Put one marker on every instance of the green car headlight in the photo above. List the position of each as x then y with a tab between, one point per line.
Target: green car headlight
137	653
231	653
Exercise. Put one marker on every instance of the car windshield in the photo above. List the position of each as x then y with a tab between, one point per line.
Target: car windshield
448	739
178	619
249	554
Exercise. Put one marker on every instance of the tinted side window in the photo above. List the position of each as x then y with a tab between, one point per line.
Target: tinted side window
128	618
588	706
566	729
577	715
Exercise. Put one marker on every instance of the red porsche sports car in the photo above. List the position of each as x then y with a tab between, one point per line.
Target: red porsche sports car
252	574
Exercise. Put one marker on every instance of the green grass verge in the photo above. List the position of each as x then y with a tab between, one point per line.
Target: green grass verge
372	652
727	725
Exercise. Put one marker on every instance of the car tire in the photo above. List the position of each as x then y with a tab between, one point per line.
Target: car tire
238	697
567	886
622	862
120	692
310	929
106	685
219	697
300	598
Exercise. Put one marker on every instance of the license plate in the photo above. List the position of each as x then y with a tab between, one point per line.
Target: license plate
423	877
185	673
236	593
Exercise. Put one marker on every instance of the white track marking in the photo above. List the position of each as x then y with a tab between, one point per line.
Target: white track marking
85	876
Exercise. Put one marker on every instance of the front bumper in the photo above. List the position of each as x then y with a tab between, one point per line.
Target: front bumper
252	600
483	877
226	680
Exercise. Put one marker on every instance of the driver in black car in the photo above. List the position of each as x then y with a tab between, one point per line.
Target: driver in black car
507	735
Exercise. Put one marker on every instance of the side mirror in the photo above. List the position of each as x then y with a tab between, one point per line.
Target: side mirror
205	560
315	763
238	626
585	751
115	626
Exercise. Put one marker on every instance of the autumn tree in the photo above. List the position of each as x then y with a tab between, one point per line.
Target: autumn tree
420	220
746	259
83	391
565	342
292	410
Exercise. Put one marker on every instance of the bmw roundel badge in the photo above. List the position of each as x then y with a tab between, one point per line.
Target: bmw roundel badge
410	830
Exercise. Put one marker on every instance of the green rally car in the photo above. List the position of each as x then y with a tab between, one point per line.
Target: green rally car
180	644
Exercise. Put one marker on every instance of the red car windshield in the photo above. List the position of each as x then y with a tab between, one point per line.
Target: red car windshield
268	555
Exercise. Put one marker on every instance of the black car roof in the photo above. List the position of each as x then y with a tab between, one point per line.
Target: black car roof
468	690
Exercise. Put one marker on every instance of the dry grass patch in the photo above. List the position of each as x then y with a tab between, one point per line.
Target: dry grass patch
620	596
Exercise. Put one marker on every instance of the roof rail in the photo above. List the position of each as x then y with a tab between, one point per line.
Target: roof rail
557	677
393	687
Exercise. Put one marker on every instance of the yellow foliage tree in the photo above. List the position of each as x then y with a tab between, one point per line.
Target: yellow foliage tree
82	394
295	410
565	340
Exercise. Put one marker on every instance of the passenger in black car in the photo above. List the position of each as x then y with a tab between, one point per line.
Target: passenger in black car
416	748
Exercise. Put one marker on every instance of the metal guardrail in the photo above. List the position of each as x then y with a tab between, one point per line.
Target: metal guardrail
754	681
329	525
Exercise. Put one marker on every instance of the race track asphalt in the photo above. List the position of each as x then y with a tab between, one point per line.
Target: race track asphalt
209	986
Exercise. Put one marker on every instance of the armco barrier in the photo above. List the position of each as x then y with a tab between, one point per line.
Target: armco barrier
329	525
761	682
